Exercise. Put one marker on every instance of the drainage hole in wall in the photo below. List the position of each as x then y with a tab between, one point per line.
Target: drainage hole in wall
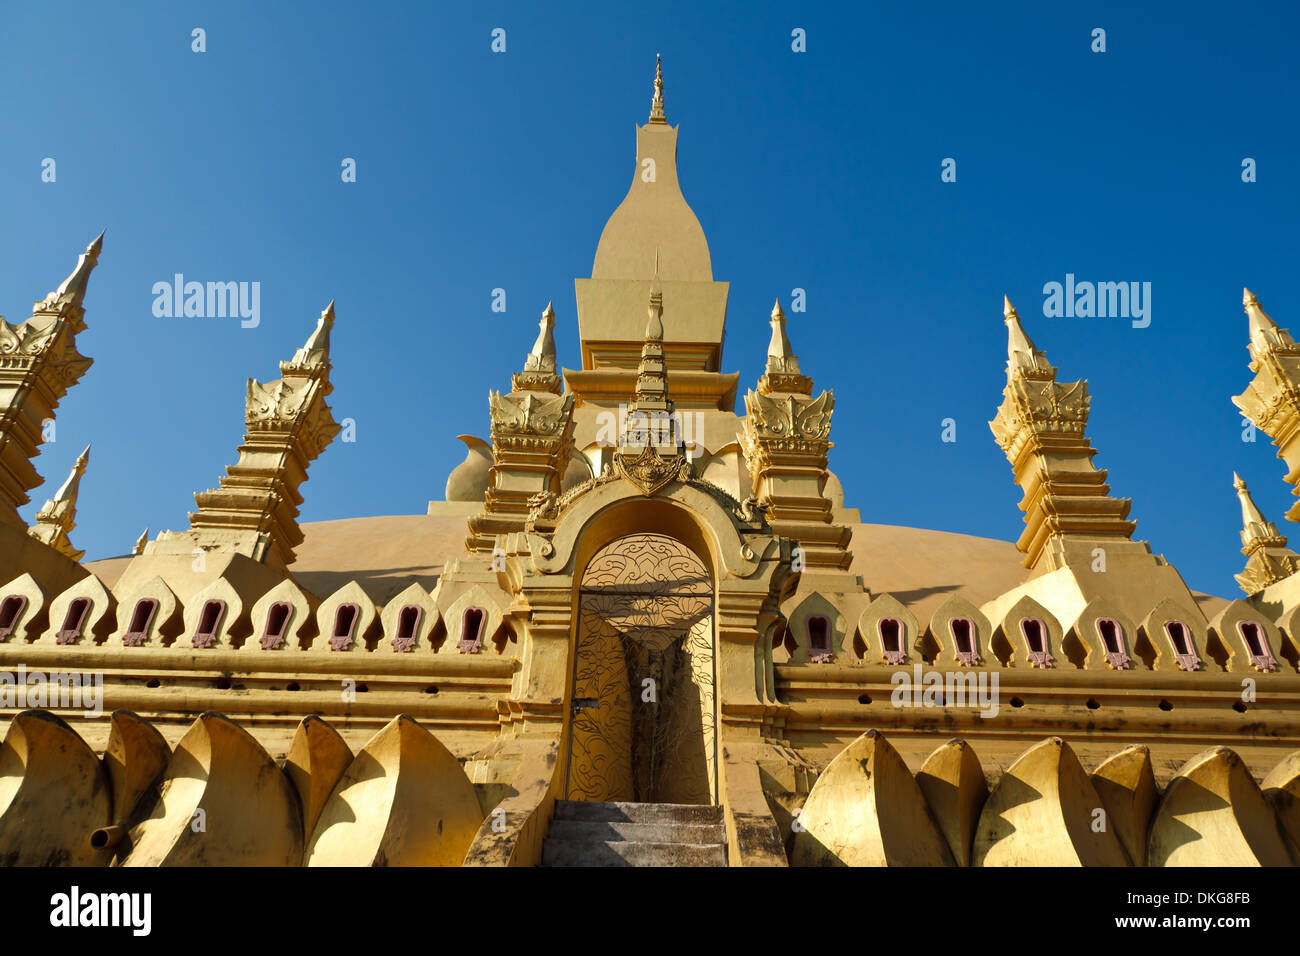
431	689
1093	703
155	682
1239	707
1017	702
864	699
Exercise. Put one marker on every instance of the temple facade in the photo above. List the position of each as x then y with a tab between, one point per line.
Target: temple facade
654	632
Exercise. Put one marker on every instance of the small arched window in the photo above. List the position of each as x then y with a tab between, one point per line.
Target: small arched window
141	620
345	625
890	630
278	616
1257	645
471	630
819	639
1035	634
11	608
408	626
1113	644
74	619
205	634
1180	636
962	630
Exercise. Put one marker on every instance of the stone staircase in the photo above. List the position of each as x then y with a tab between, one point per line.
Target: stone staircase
635	834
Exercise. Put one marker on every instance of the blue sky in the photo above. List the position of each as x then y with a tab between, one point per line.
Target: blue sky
818	170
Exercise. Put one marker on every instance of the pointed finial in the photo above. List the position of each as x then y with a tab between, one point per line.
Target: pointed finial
657	103
1265	334
73	288
1256	531
141	541
68	490
542	356
1024	360
316	351
780	354
1250	513
58	516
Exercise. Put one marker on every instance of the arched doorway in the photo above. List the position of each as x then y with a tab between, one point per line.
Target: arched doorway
643	717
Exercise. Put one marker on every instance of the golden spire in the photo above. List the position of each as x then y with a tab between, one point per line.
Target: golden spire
657	104
652	373
316	352
1256	532
539	373
73	289
1269	560
780	355
1264	332
58	516
141	541
1024	360
542	356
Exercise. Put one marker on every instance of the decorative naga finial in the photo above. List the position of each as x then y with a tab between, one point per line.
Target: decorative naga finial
542	356
58	516
316	352
1254	527
657	104
1269	559
141	541
1024	360
73	289
68	490
780	355
1265	335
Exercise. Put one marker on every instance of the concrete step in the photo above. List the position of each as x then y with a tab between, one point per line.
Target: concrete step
635	834
600	831
628	853
592	812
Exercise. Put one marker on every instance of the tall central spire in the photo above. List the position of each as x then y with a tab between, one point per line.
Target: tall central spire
653	232
657	103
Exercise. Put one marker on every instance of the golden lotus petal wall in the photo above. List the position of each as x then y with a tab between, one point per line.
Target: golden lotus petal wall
1127	787
224	802
1214	814
1044	812
404	801
316	761
53	793
867	810
955	789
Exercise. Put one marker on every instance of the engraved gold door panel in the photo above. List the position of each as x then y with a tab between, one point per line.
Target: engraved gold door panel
643	719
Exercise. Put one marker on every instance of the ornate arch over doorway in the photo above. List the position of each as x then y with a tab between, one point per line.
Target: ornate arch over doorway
644	702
